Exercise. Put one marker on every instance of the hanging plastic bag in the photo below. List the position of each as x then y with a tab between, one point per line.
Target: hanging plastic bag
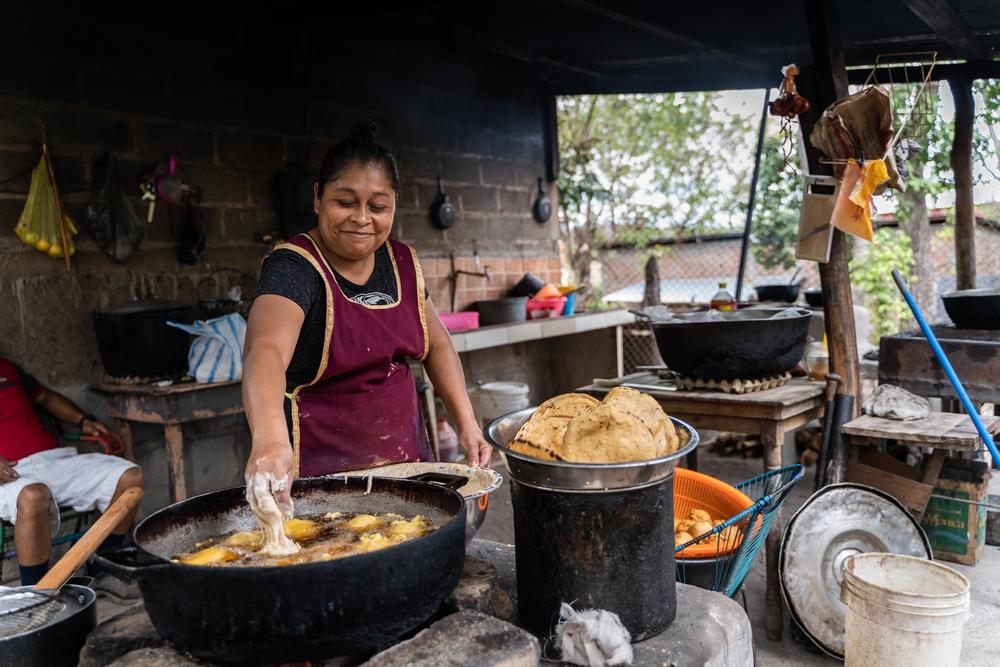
109	217
216	355
38	225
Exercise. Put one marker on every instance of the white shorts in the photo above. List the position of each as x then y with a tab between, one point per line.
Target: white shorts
84	482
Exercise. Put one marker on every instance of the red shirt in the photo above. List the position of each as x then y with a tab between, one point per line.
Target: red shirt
21	431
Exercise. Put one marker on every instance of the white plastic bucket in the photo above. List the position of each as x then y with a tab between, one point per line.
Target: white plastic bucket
902	610
495	399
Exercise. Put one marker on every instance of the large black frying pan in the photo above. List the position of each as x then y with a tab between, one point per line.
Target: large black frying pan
298	612
748	344
974	308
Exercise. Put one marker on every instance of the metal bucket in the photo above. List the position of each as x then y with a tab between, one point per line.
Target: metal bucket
598	536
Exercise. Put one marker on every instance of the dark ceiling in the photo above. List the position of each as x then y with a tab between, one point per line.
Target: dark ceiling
588	46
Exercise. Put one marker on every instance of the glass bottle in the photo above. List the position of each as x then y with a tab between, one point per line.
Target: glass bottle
723	300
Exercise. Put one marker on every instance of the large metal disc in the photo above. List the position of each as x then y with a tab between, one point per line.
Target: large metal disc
835	523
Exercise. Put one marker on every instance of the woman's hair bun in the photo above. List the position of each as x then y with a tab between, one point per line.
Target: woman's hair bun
365	132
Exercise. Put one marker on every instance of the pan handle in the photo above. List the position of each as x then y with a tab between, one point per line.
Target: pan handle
128	561
453	482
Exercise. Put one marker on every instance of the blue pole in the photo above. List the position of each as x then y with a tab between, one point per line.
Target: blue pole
946	365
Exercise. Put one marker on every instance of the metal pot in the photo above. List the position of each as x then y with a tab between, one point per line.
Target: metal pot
58	643
297	612
598	535
814	297
748	344
476	501
974	308
779	292
135	341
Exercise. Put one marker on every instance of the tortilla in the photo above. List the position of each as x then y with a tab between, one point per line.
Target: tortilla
608	434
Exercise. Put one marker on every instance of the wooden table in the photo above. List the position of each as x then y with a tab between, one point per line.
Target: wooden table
770	414
941	431
171	407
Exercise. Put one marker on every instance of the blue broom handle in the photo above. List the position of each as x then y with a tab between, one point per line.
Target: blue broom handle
946	365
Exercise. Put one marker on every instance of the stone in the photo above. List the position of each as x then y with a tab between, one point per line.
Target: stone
465	639
129	631
479	590
155	657
892	402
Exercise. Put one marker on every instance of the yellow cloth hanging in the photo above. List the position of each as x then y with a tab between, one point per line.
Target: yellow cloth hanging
852	212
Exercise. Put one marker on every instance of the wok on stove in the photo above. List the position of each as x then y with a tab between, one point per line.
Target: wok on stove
748	344
974	308
301	612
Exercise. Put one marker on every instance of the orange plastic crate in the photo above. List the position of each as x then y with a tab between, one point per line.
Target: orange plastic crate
694	490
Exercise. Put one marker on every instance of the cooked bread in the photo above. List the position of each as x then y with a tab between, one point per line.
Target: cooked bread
627	426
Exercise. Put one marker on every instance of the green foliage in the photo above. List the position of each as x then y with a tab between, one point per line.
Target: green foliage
638	167
871	274
775	225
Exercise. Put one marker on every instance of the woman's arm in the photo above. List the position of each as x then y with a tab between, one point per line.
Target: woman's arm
445	372
272	332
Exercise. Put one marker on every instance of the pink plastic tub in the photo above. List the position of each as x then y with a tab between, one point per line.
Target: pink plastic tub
463	320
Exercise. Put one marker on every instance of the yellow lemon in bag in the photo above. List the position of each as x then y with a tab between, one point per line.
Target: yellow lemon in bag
55	251
42	245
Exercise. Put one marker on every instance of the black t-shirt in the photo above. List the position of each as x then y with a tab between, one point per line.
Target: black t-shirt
288	274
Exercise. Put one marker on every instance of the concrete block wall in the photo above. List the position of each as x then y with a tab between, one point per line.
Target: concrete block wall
234	113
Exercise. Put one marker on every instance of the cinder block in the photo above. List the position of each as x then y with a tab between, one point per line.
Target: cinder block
499	173
517	202
70	129
477	198
219	184
158	141
417	164
462	169
259	152
18	124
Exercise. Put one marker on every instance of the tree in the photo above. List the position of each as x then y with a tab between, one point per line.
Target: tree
638	167
775	226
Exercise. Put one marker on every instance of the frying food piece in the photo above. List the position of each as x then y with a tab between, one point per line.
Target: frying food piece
375	541
210	556
302	530
406	530
362	523
699	515
246	539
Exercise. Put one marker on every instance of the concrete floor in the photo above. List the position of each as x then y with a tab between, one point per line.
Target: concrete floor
981	641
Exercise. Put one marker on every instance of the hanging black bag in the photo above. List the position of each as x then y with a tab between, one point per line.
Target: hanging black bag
109	216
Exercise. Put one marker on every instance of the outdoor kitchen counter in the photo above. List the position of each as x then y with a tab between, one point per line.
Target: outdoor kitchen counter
550	327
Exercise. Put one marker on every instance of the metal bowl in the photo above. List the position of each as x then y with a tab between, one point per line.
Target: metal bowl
747	344
973	308
476	502
581	477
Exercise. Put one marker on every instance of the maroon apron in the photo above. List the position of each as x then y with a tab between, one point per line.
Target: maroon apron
361	410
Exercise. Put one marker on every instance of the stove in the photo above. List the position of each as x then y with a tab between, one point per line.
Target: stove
660	378
906	360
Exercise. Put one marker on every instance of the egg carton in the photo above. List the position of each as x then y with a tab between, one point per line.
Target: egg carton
738	386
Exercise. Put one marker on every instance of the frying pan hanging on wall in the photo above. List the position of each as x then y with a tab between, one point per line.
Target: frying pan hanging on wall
542	208
442	210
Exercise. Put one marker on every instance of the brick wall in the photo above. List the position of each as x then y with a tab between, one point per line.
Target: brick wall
233	117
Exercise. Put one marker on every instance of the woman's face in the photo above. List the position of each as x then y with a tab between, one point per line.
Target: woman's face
355	210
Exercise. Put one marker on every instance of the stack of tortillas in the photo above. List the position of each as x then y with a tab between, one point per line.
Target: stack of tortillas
627	426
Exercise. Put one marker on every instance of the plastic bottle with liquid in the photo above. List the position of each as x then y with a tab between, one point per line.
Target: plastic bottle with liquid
723	300
447	441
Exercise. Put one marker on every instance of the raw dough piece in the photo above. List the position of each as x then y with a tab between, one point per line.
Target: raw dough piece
269	516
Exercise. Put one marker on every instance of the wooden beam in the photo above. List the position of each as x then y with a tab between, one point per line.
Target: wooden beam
961	165
942	18
644	25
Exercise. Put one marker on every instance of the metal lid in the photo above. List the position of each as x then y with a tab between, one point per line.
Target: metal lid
837	522
581	477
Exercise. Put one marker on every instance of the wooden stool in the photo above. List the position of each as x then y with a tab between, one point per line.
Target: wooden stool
941	431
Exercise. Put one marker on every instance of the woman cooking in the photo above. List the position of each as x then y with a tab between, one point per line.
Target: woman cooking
338	312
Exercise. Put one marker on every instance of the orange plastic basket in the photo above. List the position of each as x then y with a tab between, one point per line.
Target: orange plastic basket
694	490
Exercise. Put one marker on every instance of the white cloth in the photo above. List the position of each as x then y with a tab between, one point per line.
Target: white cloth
84	482
593	638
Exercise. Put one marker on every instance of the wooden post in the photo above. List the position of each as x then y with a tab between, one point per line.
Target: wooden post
826	82
651	295
961	165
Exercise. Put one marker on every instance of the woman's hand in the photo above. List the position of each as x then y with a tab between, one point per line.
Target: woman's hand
479	451
273	462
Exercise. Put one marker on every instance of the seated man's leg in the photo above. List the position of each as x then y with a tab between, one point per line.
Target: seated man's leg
31	532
